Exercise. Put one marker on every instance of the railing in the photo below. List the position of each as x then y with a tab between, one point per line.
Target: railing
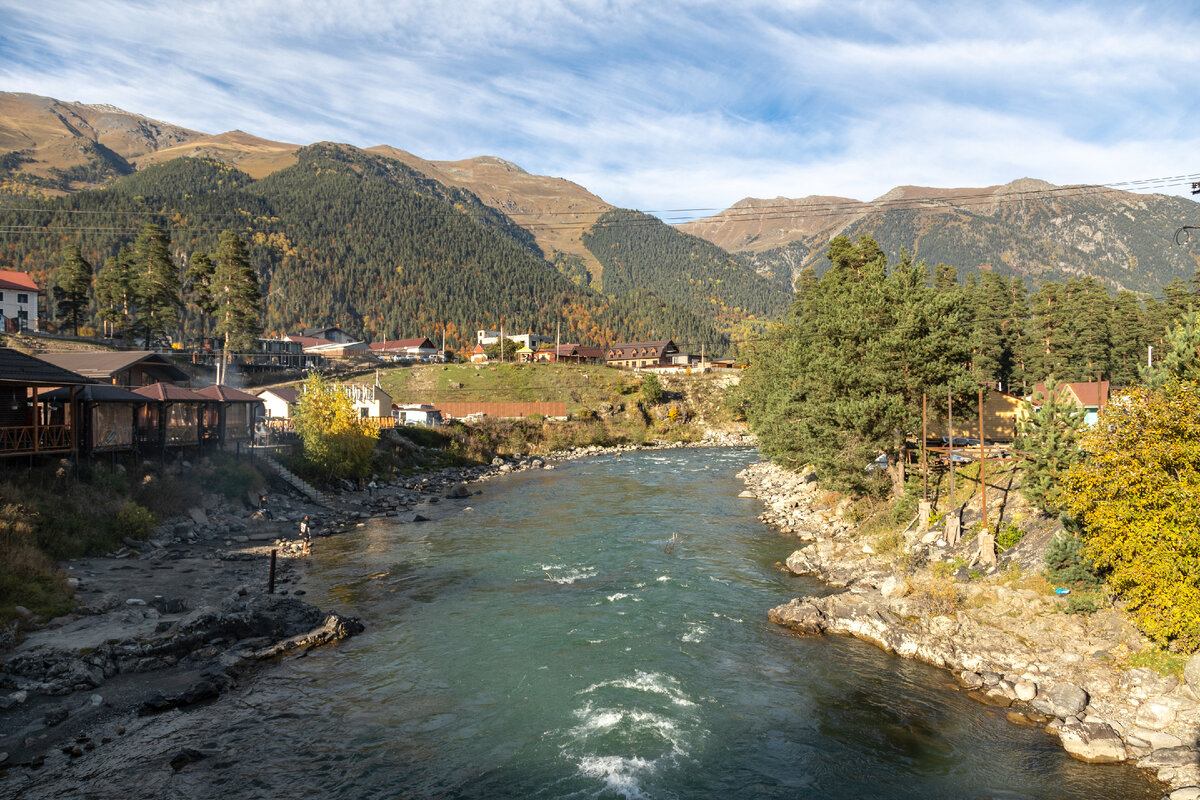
30	439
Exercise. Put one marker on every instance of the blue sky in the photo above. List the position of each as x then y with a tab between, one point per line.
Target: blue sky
656	105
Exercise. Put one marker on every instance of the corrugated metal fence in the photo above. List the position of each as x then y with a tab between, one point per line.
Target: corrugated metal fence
465	408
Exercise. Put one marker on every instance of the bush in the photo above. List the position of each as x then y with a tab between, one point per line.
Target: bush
1138	495
1009	536
1067	563
652	391
233	480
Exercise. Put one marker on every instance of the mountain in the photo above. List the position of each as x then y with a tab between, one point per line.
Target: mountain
51	146
1028	228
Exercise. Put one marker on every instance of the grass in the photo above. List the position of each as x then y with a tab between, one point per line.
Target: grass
1161	661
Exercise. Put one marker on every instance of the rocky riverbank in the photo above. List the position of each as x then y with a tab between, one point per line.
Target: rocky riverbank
176	620
1009	644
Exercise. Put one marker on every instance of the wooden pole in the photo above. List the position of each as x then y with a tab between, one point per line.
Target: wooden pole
950	425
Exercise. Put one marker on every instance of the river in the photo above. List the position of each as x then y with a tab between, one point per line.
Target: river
600	631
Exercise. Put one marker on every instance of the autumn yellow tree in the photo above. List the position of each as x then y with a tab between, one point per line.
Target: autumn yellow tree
1137	493
336	441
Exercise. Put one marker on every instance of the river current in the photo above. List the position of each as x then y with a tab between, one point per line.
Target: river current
600	631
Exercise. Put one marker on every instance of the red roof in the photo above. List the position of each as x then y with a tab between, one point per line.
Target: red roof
227	394
170	392
11	279
1090	394
401	344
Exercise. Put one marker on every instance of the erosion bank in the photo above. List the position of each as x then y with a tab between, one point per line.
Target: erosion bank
1010	646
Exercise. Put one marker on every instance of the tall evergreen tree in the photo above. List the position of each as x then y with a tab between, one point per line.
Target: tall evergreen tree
1126	336
116	292
197	287
71	286
159	289
1089	320
1048	439
1181	354
1049	336
236	294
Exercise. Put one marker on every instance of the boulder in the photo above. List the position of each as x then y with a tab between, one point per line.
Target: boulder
1186	793
1094	742
1025	690
801	616
458	491
1171	757
1191	673
893	587
1155	714
1062	700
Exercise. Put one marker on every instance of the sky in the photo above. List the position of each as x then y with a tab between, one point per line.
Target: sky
678	108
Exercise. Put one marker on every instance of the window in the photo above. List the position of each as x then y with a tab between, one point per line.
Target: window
22	298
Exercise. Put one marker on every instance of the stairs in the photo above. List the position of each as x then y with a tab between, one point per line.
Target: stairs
316	495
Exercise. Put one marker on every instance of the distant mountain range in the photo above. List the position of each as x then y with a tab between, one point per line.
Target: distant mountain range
50	148
1028	228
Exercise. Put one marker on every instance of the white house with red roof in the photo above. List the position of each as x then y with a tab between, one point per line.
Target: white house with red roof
405	348
18	301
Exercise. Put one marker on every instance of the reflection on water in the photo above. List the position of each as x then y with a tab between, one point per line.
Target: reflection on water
548	644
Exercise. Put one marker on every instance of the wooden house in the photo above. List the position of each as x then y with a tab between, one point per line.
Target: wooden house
108	416
1091	396
1001	413
571	354
633	355
173	418
29	423
127	368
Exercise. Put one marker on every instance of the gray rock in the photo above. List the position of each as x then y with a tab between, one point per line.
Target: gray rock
1186	793
1025	690
1149	682
1171	757
1062	700
199	517
972	680
1094	742
458	491
1191	673
1155	714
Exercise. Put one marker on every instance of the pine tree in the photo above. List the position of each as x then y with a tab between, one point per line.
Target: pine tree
1126	335
1089	318
1181	354
159	290
197	288
116	292
71	286
235	294
1048	439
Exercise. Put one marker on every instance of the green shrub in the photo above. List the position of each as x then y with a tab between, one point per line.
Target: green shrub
652	391
1009	536
1067	563
233	480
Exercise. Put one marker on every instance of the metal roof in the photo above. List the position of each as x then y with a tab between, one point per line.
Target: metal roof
96	393
169	392
104	364
18	368
227	394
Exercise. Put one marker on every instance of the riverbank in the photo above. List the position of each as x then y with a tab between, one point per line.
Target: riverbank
184	616
1007	638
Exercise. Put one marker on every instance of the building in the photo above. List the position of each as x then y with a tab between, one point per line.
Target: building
279	402
108	416
635	355
478	356
127	368
524	354
1090	396
18	302
331	334
571	354
1001	413
368	400
29	422
419	414
231	412
174	416
405	348
530	340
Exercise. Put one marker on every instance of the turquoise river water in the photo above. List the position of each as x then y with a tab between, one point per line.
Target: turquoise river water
552	642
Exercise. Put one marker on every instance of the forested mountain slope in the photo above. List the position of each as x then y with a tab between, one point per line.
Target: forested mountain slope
349	238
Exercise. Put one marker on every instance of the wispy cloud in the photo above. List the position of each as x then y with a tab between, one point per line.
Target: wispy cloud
655	105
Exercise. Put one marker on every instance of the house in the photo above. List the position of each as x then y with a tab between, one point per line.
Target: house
407	348
18	302
571	354
524	355
1001	413
1090	396
368	400
633	355
419	414
108	416
173	417
478	356
30	423
318	346
530	340
279	402
127	368
232	412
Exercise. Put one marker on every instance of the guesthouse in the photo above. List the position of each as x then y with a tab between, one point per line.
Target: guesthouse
634	355
18	302
30	423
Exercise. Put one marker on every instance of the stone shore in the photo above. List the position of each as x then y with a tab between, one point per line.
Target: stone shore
176	620
1009	646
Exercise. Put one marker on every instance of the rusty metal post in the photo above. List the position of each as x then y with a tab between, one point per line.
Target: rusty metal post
924	455
982	462
271	580
950	426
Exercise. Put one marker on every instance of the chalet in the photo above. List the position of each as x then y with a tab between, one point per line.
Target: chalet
1001	413
478	356
108	416
30	423
232	413
18	302
571	354
407	348
127	368
633	355
173	417
418	414
1090	396
279	402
